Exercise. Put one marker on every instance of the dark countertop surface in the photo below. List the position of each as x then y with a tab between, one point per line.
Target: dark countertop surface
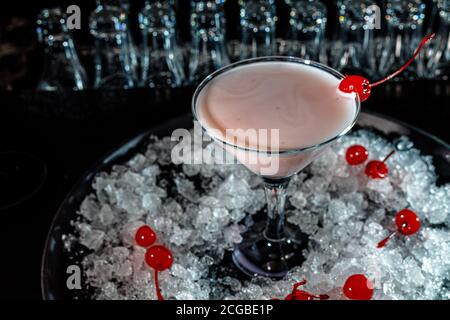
69	132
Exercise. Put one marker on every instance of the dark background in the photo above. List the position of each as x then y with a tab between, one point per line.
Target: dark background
70	132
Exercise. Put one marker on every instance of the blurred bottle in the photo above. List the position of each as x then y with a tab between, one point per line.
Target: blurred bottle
439	63
307	24
124	7
114	66
258	19
162	61
355	45
405	31
208	48
62	68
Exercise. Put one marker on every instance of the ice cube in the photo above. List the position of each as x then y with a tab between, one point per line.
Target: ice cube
89	237
298	200
235	193
187	189
152	203
106	215
89	208
232	234
128	232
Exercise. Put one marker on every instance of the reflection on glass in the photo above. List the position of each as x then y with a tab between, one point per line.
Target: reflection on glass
258	28
114	66
307	23
124	7
439	62
404	32
356	37
208	48
62	68
162	61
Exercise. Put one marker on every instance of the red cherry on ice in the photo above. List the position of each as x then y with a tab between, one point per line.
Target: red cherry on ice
356	155
145	236
376	169
358	287
407	222
159	258
363	88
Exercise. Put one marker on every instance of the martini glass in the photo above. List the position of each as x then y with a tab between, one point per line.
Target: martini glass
271	248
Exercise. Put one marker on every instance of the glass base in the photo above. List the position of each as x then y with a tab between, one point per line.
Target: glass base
258	255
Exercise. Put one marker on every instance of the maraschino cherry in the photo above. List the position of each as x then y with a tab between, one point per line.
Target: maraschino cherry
157	257
407	222
303	295
358	287
356	155
363	87
145	236
376	169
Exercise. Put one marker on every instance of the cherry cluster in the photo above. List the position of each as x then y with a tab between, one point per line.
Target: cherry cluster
407	221
375	169
157	257
356	287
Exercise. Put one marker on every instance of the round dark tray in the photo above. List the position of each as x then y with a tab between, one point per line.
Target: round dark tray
56	260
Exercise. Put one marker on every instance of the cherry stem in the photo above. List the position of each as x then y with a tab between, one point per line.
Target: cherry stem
158	289
389	155
297	285
383	242
406	65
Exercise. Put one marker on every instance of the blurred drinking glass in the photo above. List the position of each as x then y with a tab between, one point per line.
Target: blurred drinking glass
405	20
307	24
258	28
62	68
208	48
114	66
439	62
162	61
124	7
354	48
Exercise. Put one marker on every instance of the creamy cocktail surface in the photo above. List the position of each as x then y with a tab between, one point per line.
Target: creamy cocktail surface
301	101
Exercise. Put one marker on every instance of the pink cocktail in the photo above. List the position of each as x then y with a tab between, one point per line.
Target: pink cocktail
275	115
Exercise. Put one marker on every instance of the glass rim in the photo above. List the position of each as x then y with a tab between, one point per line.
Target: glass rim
244	62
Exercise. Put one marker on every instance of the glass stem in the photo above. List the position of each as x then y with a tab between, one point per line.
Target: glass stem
276	199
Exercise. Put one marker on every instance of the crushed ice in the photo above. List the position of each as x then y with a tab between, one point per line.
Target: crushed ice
200	212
